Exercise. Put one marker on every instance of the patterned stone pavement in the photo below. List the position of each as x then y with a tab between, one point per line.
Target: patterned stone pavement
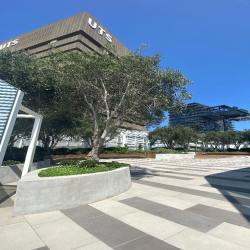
173	204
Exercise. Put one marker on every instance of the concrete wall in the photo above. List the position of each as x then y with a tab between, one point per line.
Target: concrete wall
36	194
13	173
175	156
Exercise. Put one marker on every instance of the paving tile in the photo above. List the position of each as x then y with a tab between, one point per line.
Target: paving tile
194	221
152	225
144	205
190	239
171	201
220	214
42	248
238	208
113	208
19	236
6	203
81	212
197	199
109	230
146	243
229	187
63	235
6	216
243	201
35	219
99	245
235	234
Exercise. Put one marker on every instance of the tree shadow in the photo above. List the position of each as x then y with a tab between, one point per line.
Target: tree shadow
138	173
235	187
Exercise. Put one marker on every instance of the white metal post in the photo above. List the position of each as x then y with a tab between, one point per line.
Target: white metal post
32	146
10	124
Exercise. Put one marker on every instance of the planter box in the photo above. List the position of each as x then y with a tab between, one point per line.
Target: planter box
36	194
57	158
222	153
175	156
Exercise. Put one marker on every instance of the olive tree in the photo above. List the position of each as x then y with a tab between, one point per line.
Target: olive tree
112	90
26	72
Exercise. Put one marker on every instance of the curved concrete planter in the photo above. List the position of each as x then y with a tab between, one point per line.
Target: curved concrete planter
189	155
36	194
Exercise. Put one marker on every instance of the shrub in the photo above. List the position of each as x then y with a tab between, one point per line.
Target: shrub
10	162
60	151
89	164
68	162
245	149
232	150
115	164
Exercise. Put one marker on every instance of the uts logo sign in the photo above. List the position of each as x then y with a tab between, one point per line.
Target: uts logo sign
8	44
101	32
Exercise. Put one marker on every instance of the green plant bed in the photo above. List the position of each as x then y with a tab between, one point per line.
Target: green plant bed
10	162
80	169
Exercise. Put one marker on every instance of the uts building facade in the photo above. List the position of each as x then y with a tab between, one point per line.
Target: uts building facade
81	32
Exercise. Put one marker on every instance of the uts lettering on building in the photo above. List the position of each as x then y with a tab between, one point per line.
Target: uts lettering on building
81	32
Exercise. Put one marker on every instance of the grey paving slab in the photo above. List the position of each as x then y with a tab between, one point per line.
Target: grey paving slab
220	214
108	229
197	222
144	205
235	234
63	235
191	239
81	213
146	242
243	201
19	236
228	187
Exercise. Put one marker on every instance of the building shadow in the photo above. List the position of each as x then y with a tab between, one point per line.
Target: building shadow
235	187
6	191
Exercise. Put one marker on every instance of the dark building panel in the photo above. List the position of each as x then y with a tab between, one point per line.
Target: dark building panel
204	119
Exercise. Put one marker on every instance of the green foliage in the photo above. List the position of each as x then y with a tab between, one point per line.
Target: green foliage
115	164
10	162
71	170
89	164
19	154
173	134
68	162
232	150
245	150
165	151
115	150
102	90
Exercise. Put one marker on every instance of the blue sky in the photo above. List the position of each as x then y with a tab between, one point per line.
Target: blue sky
207	39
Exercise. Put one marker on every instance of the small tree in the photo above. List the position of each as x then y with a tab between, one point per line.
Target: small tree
214	138
236	137
165	134
185	135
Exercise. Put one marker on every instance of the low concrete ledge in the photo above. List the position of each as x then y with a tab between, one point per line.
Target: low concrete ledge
13	173
189	155
36	194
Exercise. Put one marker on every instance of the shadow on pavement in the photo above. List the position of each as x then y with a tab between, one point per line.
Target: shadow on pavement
235	187
6	191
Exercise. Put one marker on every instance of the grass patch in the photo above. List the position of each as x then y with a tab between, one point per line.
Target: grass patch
76	169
